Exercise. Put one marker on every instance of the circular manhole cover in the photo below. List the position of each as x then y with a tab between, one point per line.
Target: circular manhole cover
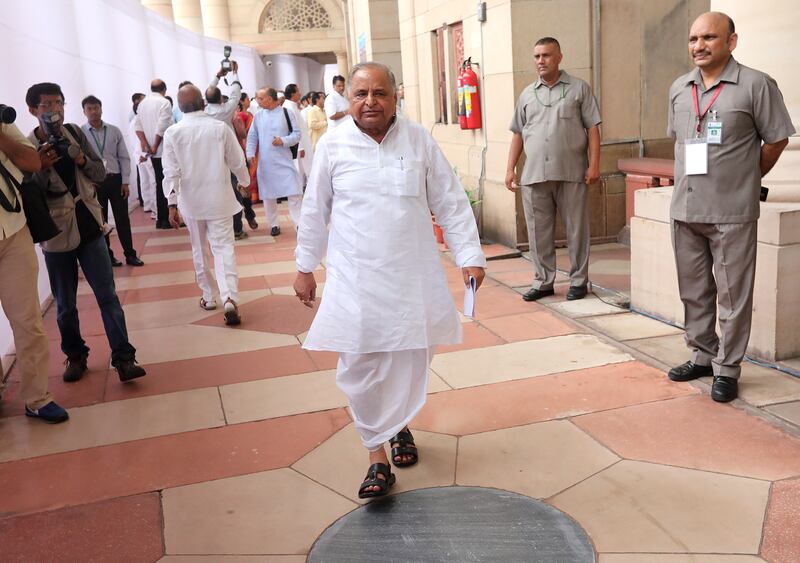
454	524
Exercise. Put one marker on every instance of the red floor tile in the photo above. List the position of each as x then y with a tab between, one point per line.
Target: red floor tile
212	371
497	301
514	403
84	476
120	530
163	268
697	433
781	542
323	360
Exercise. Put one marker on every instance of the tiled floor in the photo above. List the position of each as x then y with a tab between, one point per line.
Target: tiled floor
238	446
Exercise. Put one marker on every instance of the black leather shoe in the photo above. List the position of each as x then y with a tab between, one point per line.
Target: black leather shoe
253	223
114	262
724	389
128	369
688	372
76	367
576	292
163	225
275	231
134	261
534	294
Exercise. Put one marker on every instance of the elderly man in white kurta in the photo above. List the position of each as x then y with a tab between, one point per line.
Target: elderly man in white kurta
387	304
272	133
200	153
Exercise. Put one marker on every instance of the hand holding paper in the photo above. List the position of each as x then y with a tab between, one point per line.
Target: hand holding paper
469	297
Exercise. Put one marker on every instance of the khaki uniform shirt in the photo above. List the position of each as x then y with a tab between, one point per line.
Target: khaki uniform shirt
751	110
11	223
553	123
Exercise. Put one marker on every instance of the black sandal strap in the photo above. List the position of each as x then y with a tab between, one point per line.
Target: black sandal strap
372	480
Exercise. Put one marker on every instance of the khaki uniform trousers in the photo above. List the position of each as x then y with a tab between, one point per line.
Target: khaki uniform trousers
729	251
19	297
541	203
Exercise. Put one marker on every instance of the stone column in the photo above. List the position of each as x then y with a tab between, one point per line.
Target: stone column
161	7
216	22
344	65
188	14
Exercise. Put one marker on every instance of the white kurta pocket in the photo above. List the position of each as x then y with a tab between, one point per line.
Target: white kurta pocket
400	177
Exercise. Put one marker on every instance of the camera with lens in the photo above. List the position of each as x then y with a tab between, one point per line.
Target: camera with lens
226	62
7	114
52	128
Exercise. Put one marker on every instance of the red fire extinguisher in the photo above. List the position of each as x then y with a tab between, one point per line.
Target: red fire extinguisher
462	110
472	99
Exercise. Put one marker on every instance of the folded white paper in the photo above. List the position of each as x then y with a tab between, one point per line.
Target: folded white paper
469	297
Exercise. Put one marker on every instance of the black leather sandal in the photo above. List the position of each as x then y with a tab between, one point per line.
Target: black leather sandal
405	447
372	480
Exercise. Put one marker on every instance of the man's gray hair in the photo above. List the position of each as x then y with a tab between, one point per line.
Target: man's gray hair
363	66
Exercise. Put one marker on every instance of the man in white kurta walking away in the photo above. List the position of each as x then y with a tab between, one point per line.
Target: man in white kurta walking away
387	306
200	153
337	108
273	132
304	160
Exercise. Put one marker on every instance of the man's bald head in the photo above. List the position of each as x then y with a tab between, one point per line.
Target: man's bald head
190	99
712	38
213	95
159	86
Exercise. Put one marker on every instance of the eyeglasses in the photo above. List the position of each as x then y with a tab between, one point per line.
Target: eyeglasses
52	104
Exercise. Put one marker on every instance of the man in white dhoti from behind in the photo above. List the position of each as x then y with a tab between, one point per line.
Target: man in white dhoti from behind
387	305
200	153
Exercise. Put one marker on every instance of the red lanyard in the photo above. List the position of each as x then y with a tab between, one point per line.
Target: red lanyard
701	116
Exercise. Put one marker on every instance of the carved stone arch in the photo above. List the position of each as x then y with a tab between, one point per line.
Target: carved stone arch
298	15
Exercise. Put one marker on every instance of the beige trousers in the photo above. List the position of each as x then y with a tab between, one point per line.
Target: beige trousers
19	297
541	203
716	266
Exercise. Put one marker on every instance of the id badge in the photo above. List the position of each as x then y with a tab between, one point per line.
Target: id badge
695	157
714	133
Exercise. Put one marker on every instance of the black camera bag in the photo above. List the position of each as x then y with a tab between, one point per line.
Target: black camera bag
37	213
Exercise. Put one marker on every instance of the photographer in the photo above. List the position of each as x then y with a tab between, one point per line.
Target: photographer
19	270
225	112
70	168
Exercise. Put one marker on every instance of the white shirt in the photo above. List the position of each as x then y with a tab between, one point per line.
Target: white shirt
225	112
199	155
153	116
11	223
305	161
385	287
334	103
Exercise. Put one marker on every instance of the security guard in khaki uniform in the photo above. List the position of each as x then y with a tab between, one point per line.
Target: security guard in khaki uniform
555	119
719	115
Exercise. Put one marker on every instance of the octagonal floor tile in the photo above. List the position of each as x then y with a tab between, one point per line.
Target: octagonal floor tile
636	507
279	314
276	512
781	532
537	460
341	463
520	360
697	433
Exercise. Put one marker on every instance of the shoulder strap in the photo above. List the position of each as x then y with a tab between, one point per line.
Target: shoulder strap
288	121
12	186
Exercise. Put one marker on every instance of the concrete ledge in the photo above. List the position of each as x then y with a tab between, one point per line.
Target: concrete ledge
776	307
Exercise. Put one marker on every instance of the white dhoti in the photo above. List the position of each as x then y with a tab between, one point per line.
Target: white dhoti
385	390
147	182
214	237
295	203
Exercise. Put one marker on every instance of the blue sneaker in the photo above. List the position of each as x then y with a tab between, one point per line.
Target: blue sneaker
50	413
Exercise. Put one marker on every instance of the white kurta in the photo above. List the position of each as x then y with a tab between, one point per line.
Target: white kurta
304	163
277	175
385	287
